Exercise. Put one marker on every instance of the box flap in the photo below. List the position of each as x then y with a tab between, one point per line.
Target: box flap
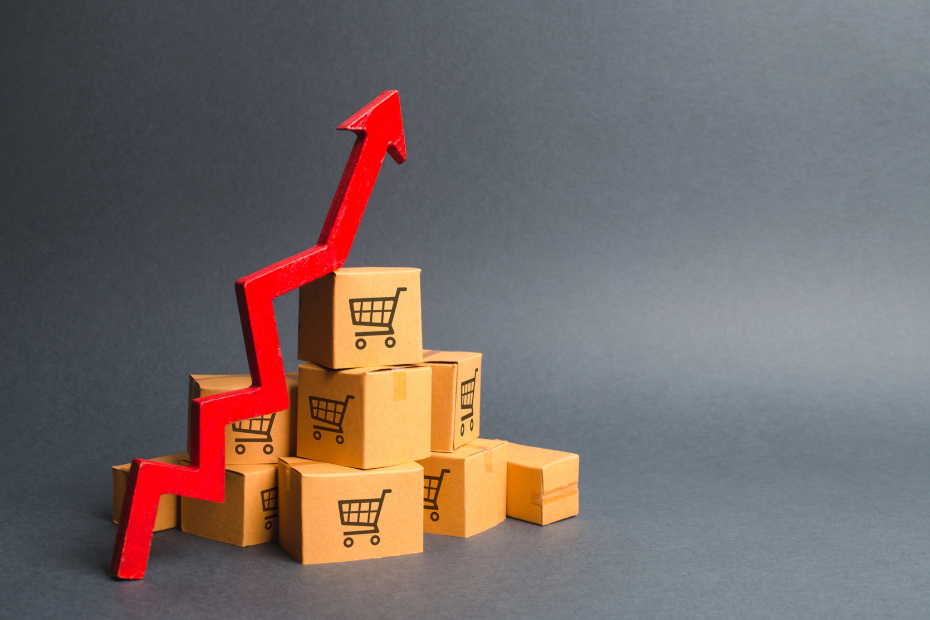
245	470
222	383
529	456
290	461
317	468
174	459
367	271
347	371
447	357
476	447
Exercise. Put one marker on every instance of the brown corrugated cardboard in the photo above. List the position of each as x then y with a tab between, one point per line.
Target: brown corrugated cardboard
247	516
168	506
363	417
331	513
456	398
465	491
542	485
256	440
361	316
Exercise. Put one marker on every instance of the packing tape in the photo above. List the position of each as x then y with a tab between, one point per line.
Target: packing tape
400	384
541	499
488	457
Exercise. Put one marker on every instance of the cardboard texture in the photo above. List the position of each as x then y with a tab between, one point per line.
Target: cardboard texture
361	316
256	440
363	417
168	505
465	491
542	485
331	513
247	516
456	402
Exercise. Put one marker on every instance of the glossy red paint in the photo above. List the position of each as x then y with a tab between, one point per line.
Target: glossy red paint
380	130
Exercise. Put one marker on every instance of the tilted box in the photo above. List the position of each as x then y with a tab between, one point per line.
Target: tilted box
465	491
168	505
257	440
361	316
456	400
248	514
542	485
331	513
363	417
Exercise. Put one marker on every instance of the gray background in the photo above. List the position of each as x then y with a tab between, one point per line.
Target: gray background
689	238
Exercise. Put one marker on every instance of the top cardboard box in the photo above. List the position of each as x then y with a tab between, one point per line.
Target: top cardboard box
361	316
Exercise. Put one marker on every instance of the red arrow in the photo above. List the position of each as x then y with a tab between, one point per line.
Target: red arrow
380	129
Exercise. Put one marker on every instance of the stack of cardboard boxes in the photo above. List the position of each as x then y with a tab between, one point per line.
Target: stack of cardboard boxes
380	442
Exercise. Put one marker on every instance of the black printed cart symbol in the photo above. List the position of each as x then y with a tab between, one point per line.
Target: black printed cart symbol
375	312
269	503
329	413
361	513
431	485
259	428
468	403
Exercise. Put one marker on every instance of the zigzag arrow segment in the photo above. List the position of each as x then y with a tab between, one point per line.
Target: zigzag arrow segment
380	129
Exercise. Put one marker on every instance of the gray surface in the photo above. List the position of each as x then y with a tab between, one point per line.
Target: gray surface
690	238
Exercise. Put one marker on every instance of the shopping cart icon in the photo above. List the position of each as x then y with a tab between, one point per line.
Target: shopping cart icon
259	427
468	403
431	489
361	513
269	503
375	312
329	413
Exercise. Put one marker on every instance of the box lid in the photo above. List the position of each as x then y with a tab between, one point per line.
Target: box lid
559	469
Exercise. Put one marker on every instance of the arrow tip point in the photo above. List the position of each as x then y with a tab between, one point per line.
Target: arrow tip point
384	113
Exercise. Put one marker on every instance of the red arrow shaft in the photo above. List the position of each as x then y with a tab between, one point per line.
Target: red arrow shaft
379	129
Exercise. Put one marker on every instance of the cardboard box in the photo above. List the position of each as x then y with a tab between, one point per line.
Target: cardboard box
363	417
465	491
361	316
331	513
456	398
256	440
168	506
247	516
542	485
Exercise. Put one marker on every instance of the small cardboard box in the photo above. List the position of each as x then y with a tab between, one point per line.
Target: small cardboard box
168	506
331	513
456	398
542	485
256	440
361	316
363	417
465	491
247	516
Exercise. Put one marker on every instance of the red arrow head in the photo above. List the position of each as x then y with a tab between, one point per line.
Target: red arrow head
383	116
